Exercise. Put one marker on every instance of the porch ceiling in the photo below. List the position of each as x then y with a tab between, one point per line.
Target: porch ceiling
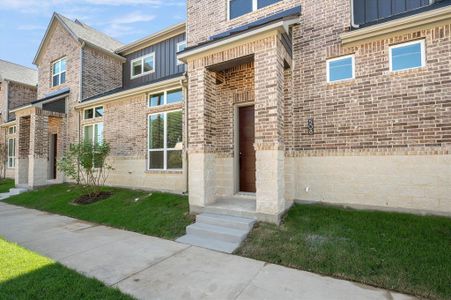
231	63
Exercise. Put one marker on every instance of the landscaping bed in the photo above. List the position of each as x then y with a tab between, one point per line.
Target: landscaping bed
158	214
402	252
27	275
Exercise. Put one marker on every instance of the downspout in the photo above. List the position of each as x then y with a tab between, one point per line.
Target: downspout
184	84
353	25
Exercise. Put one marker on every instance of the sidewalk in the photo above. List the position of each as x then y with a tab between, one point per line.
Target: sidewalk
151	268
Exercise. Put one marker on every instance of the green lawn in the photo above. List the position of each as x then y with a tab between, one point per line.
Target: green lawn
26	275
403	252
6	184
158	214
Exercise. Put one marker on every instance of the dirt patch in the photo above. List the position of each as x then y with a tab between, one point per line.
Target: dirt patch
88	199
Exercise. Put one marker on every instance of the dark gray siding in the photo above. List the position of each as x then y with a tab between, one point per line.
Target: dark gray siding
56	106
165	62
366	11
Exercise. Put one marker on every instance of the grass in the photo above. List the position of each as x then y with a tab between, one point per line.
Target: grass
157	214
27	275
6	184
403	252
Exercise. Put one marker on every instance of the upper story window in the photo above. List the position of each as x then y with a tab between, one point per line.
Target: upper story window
166	97
143	65
59	72
366	11
407	56
94	112
180	47
237	8
341	68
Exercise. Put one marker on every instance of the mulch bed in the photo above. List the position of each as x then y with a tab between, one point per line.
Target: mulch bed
88	199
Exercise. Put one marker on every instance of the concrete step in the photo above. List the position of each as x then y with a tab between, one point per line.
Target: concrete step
17	190
226	221
208	243
220	233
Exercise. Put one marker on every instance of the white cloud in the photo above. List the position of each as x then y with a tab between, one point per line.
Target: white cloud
134	17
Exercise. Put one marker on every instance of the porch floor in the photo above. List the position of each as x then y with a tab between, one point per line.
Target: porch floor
239	205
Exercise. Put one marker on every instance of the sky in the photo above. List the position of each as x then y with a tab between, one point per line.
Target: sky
23	22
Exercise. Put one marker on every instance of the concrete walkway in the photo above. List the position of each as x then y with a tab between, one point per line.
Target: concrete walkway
152	268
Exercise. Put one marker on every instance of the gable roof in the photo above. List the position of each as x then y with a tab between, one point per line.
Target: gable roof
81	33
18	73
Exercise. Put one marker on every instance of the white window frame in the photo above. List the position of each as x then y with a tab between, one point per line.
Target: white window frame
59	74
165	97
165	149
328	61
254	8
93	112
142	58
94	131
179	62
12	129
12	158
423	54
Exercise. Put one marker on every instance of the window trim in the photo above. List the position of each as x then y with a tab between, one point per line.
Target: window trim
400	45
142	65
165	97
59	74
93	131
254	8
93	112
164	149
12	129
13	166
179	62
328	61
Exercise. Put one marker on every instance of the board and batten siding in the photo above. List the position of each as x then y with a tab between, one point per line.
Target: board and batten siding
165	62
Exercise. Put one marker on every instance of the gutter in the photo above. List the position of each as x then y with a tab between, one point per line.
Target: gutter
8	124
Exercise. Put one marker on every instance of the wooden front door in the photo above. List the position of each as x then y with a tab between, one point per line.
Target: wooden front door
53	153
246	148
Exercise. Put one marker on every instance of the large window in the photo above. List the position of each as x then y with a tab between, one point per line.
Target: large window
143	65
407	56
93	133
166	97
59	72
241	7
11	153
93	112
165	141
341	68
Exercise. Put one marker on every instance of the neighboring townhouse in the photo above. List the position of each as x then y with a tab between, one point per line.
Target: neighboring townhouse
17	87
254	104
335	101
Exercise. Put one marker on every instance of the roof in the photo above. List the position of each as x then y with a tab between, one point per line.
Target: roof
153	38
436	5
291	13
18	73
82	33
53	94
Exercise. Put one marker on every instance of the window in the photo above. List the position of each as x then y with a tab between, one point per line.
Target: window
341	68
180	47
166	97
143	65
59	72
407	56
91	113
12	130
238	8
12	153
165	141
93	133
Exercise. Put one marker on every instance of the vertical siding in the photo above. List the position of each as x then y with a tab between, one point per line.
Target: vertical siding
165	62
366	11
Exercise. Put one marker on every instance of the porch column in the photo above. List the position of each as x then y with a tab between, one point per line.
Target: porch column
22	150
201	124
38	157
269	143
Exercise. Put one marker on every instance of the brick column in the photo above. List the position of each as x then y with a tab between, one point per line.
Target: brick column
22	150
201	123
38	155
269	136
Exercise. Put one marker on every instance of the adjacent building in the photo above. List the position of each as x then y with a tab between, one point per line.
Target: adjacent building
254	104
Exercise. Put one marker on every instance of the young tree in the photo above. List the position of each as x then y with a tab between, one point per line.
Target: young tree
86	163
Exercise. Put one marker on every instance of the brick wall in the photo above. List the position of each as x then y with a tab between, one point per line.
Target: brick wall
19	94
101	72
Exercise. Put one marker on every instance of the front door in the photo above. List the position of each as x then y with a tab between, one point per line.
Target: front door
246	148
52	155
